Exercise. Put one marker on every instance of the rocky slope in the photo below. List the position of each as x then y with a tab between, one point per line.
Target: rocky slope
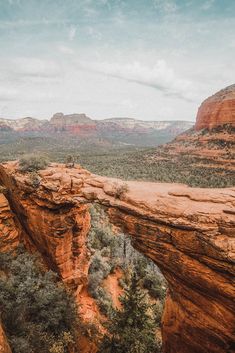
210	145
188	233
217	110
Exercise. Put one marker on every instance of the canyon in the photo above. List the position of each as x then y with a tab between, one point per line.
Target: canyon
187	232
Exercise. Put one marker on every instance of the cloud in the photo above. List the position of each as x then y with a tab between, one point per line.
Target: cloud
65	49
160	76
207	5
167	6
72	33
31	23
34	67
8	94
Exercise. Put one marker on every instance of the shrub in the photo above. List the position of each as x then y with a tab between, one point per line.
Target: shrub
70	161
155	285
37	312
98	264
2	189
34	179
120	190
104	301
32	163
94	282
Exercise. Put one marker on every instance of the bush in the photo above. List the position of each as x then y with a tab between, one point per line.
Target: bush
94	282
32	163
120	190
2	189
104	301
155	285
98	264
37	312
34	179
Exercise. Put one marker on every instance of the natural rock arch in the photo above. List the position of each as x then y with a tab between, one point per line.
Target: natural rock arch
187	232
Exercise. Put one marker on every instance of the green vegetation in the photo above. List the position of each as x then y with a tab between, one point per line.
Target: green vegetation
127	162
112	250
131	329
34	179
33	163
38	314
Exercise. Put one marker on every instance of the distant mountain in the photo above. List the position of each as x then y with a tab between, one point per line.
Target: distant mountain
114	131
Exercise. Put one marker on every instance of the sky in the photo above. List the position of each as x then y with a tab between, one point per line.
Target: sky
147	59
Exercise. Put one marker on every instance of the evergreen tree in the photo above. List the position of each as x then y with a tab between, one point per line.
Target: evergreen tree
131	329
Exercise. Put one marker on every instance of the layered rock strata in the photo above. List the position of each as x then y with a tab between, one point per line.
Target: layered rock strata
217	110
9	232
188	232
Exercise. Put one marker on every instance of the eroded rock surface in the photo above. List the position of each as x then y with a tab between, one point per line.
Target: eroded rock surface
217	110
9	233
53	222
189	233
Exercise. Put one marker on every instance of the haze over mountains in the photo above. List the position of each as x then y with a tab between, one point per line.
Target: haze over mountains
115	130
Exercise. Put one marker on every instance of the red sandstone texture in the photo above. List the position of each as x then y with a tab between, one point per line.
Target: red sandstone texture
53	224
217	110
187	232
210	150
4	346
9	234
214	147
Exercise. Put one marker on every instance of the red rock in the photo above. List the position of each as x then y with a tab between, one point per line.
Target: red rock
187	232
217	110
53	224
4	346
9	234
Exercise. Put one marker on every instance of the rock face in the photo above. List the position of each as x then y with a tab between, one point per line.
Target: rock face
4	346
188	233
217	110
210	145
53	223
9	233
80	127
73	123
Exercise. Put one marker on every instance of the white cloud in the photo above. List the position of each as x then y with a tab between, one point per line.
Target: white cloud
167	6
65	49
207	5
160	76
29	23
8	94
72	33
28	66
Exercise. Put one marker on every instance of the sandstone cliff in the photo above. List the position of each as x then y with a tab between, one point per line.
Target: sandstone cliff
217	110
209	146
9	232
188	233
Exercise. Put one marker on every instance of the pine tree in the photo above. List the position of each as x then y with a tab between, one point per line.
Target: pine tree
131	329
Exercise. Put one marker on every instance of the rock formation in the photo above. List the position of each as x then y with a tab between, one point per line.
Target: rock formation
4	346
9	233
188	233
210	145
80	127
217	110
